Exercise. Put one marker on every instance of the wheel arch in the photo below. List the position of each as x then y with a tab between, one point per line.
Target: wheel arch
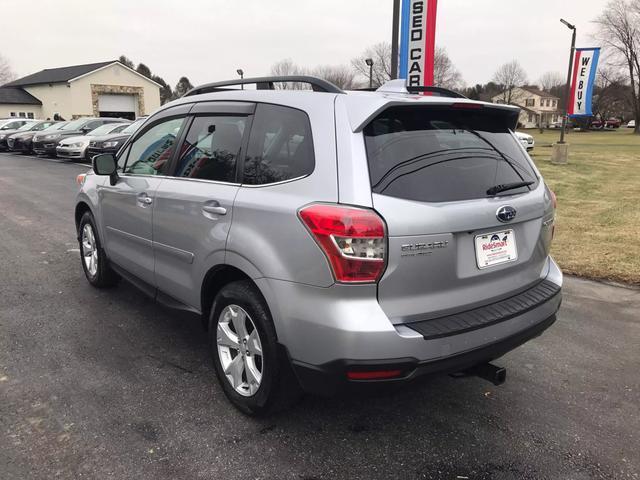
215	279
81	208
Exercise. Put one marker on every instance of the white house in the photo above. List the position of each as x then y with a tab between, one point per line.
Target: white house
105	89
536	106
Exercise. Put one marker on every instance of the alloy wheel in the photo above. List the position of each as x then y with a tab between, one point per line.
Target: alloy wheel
240	350
89	250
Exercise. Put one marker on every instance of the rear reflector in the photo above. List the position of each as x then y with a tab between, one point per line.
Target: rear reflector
554	199
81	178
374	375
353	240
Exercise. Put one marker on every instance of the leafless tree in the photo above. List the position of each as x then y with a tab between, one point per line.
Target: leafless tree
286	68
611	94
380	53
445	74
550	80
6	72
619	34
340	75
509	76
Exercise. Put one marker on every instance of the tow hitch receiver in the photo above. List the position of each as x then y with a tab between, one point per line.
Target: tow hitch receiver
488	371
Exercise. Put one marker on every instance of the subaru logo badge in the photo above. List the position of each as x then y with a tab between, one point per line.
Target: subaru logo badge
506	213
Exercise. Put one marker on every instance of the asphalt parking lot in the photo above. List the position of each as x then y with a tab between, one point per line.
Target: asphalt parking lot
107	384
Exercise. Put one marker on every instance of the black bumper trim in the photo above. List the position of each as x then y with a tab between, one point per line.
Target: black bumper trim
487	315
330	378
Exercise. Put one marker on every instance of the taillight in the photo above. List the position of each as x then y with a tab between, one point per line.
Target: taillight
81	178
353	240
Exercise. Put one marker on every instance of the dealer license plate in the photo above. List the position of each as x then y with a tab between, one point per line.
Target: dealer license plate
496	248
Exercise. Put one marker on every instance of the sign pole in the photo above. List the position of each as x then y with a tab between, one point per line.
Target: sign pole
394	39
568	86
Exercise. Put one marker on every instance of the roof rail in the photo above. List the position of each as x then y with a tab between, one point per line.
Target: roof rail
266	83
400	86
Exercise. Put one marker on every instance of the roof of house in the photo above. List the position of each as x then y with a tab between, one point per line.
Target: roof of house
10	95
58	75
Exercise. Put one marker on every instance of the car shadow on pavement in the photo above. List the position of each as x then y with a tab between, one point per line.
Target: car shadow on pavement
434	428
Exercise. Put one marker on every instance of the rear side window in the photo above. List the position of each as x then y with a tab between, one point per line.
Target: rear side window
280	146
211	148
441	154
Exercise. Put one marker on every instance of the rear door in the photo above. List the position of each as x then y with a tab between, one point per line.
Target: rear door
127	206
453	245
193	207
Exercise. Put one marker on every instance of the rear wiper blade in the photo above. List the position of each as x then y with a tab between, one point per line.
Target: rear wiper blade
503	187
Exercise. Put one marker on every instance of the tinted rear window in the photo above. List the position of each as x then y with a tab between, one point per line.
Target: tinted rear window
280	146
440	154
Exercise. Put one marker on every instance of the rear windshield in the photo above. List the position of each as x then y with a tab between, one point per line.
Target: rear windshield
440	154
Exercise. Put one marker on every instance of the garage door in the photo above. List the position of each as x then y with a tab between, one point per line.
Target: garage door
117	105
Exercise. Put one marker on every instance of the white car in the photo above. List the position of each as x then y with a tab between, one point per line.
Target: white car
527	140
76	147
631	124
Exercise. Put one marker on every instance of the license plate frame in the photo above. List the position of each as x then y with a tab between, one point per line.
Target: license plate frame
495	248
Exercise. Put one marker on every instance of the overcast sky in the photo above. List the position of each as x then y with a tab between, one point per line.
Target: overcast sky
207	40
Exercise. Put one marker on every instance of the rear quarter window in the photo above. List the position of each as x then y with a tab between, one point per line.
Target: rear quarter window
440	154
280	146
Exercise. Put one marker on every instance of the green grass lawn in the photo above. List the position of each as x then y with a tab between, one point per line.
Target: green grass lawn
598	220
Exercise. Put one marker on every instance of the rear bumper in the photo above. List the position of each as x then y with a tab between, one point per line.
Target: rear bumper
330	331
331	378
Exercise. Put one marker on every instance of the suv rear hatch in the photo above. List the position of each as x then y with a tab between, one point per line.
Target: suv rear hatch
453	244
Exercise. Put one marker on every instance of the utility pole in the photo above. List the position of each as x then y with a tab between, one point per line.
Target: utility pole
567	88
369	62
241	73
560	152
394	39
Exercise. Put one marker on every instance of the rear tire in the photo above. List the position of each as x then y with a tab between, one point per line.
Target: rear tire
94	261
247	358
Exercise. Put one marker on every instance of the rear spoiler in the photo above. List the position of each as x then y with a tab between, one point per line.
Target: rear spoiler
358	122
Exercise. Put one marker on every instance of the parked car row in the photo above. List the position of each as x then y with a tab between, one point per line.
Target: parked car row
77	139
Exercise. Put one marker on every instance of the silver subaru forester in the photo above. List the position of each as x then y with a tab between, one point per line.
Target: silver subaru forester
332	241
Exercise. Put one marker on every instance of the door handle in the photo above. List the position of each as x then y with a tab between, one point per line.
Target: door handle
144	200
214	208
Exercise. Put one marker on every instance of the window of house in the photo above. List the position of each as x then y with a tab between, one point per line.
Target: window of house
530	118
555	103
211	149
530	102
280	146
30	115
22	115
13	114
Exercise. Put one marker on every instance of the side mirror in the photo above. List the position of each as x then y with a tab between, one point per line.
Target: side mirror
105	164
85	130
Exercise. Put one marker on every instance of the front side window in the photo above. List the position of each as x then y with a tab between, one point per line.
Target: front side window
211	148
280	146
440	154
150	152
